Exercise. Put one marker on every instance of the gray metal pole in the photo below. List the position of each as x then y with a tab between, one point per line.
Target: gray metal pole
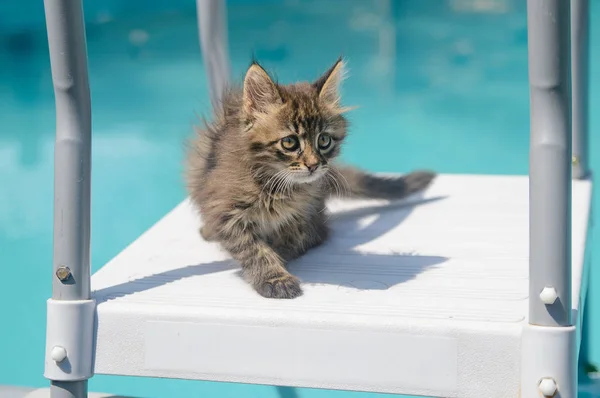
580	91
72	169
212	22
548	24
69	389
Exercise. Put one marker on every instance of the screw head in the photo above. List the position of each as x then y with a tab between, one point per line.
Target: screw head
575	160
548	387
63	273
548	295
58	353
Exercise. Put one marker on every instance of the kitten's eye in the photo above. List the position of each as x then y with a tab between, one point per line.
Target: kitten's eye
324	141
290	143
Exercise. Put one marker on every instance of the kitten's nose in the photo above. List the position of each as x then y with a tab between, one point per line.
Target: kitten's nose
312	167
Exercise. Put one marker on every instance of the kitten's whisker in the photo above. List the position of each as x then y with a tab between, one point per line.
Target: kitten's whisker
270	182
342	180
331	183
343	187
286	183
335	184
266	185
277	183
289	185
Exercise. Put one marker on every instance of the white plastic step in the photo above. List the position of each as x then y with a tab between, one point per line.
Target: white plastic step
424	297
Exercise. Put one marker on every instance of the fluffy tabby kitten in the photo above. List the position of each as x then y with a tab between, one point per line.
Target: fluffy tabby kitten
261	172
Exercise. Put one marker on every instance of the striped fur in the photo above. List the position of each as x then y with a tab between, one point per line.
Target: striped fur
261	171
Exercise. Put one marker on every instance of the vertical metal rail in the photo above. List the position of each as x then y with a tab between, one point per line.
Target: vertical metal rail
70	311
550	160
212	21
580	91
548	347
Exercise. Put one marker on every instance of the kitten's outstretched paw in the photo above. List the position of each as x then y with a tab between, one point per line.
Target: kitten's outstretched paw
418	180
285	286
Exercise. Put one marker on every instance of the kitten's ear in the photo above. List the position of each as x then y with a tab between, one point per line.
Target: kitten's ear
259	90
328	85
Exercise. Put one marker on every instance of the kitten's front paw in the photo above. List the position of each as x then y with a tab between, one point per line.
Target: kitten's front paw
285	286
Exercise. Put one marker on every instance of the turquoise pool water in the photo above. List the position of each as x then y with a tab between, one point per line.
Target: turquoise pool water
439	83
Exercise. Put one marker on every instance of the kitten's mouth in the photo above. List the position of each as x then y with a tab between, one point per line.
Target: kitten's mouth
307	177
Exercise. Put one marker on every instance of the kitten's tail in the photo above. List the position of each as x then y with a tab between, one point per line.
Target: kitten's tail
354	183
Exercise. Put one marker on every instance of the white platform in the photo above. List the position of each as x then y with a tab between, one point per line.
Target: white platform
424	299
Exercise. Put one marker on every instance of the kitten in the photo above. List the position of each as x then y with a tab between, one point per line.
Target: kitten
261	172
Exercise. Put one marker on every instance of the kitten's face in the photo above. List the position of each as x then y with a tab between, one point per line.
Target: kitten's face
305	154
298	140
294	131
